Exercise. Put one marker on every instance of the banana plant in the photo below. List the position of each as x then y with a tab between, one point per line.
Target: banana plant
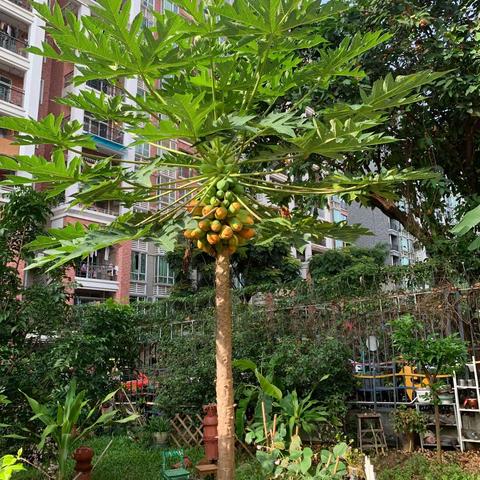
71	422
215	76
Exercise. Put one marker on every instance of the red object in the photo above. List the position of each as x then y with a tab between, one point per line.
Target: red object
470	403
138	384
210	433
83	458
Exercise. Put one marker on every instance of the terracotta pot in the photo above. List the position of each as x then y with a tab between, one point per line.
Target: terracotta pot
470	403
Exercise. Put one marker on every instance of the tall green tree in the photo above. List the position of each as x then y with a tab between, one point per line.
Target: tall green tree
215	77
441	132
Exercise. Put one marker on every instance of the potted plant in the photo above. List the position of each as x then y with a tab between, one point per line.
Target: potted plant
159	427
407	422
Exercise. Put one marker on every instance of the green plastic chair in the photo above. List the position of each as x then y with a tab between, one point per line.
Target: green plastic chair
169	458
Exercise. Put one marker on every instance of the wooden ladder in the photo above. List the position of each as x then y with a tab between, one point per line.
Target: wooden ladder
370	432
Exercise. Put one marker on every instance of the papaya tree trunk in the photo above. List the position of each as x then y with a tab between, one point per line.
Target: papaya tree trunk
225	407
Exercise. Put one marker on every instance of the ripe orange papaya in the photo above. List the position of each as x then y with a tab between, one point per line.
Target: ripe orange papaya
204	225
213	238
207	210
216	226
247	233
226	233
221	213
236	224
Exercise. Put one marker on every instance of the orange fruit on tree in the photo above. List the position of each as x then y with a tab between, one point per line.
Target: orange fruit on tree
213	238
216	226
204	225
226	232
221	213
247	233
236	224
207	210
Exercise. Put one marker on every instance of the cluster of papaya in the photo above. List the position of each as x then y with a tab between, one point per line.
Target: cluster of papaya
222	224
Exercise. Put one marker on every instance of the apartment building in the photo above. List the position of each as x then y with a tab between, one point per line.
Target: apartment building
20	85
29	86
403	248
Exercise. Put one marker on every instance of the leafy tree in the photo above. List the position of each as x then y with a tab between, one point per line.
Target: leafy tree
214	78
440	132
334	262
433	355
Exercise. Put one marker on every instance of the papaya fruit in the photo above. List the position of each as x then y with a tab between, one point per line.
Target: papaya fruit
200	245
220	194
233	241
207	210
230	196
204	225
191	205
234	208
236	224
226	203
247	233
213	238
226	233
231	250
214	201
245	217
221	213
238	189
222	185
187	234
216	226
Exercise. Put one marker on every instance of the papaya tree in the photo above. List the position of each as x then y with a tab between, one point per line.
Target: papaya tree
215	76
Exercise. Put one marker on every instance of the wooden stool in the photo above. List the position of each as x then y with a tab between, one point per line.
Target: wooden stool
206	470
372	434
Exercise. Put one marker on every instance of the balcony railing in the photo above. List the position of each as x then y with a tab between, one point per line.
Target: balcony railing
105	87
102	129
11	94
109	207
13	44
22	3
96	272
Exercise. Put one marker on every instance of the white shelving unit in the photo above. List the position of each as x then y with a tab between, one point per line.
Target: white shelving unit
459	389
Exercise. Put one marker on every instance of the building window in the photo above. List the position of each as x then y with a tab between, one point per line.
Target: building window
168	5
167	196
5	88
142	150
139	267
163	272
338	216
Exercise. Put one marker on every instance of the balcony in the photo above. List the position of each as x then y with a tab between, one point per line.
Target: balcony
109	207
11	94
107	135
105	87
22	3
96	272
15	45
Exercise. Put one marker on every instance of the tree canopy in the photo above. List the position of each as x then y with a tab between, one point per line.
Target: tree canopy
440	132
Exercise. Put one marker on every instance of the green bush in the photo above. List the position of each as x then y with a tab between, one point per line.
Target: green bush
104	336
417	467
